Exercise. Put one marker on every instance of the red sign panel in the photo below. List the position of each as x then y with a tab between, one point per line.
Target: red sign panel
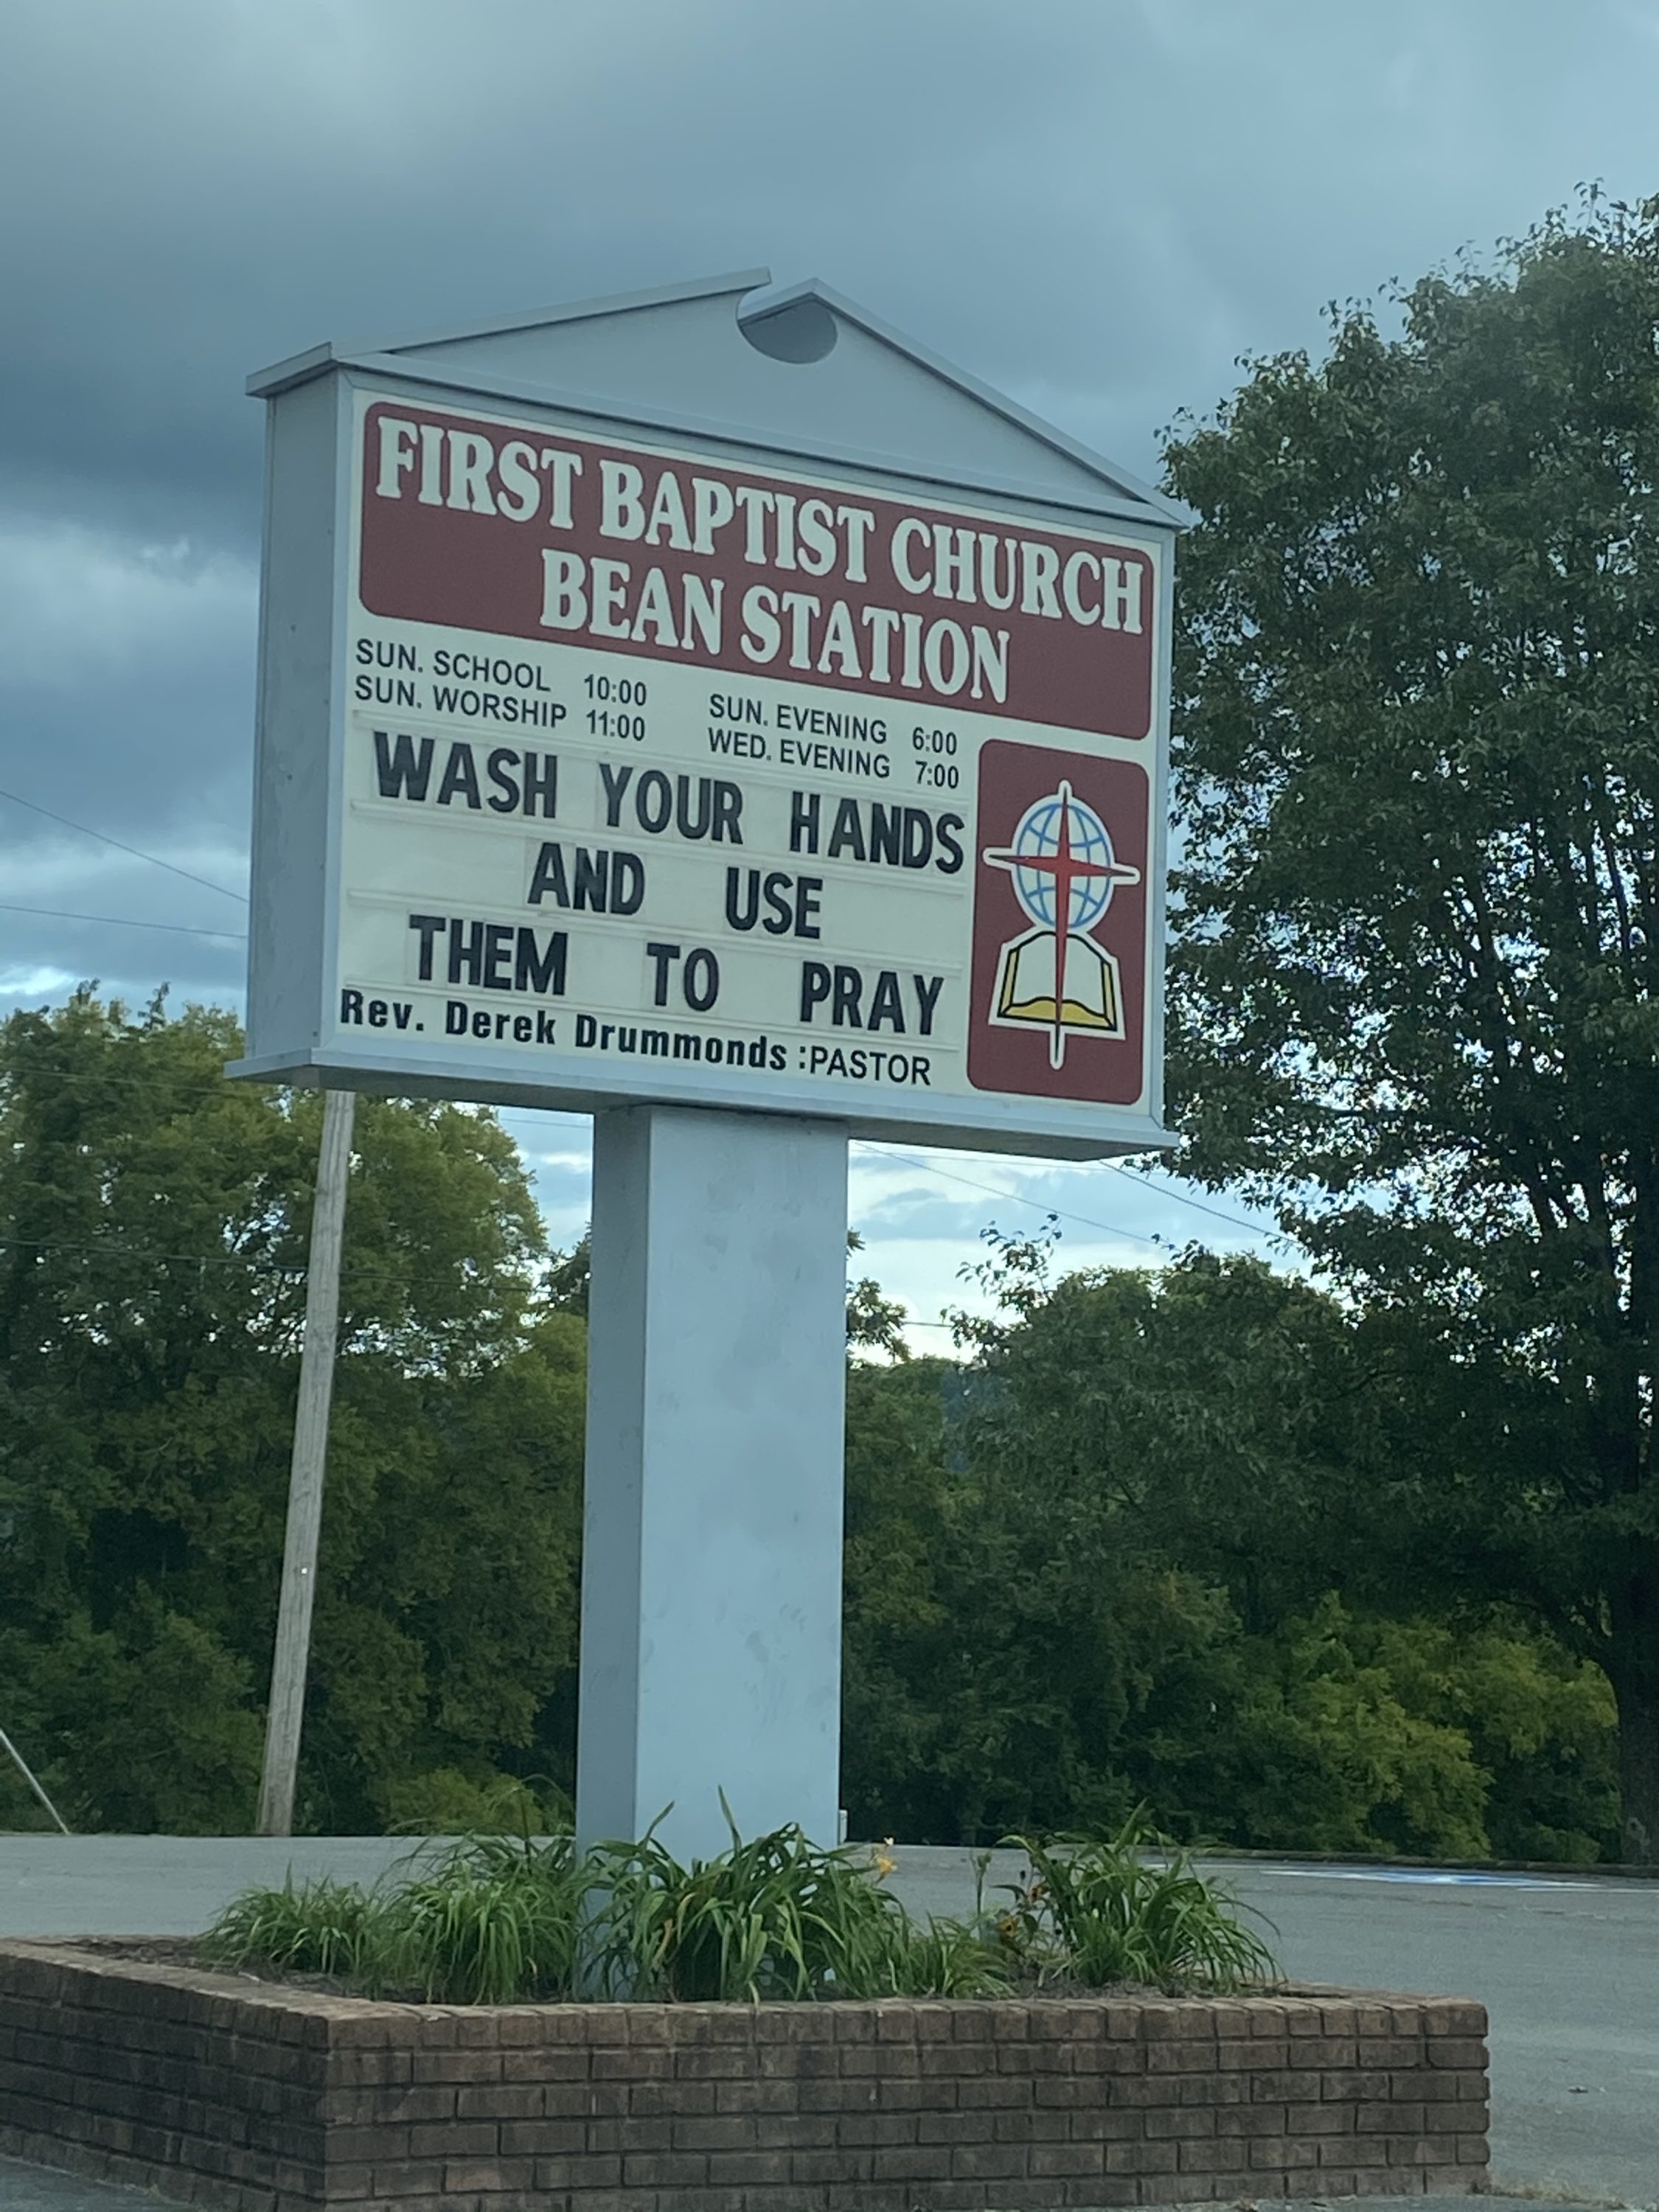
478	525
1058	994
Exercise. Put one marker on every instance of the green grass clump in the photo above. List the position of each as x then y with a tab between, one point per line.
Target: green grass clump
320	1927
492	1919
775	1917
1100	1911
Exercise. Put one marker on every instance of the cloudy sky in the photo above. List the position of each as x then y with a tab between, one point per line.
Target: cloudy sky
1097	205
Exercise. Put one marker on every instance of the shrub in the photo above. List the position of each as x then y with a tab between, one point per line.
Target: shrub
773	1917
310	1928
494	1920
1102	1912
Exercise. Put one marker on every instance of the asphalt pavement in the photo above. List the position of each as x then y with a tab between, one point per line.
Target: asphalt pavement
1568	1969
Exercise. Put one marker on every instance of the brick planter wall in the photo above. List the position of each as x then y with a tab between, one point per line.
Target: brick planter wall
225	2091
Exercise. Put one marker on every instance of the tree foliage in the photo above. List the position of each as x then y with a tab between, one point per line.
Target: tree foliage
1133	1554
152	1227
1413	998
1136	1547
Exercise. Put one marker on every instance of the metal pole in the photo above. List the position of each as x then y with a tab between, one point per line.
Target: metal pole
6	1744
285	1716
716	1383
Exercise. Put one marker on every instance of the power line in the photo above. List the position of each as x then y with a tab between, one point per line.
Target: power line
1180	1198
1060	1213
126	921
154	861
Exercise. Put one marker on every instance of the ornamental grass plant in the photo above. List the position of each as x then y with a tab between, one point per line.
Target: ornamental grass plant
1129	1909
776	1918
496	1920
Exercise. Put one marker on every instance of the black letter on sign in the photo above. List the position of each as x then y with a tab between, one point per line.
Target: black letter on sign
702	980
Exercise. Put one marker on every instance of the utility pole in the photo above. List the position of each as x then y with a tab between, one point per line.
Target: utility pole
285	1716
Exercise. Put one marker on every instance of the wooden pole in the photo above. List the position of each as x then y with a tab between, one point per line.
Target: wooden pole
6	1744
285	1716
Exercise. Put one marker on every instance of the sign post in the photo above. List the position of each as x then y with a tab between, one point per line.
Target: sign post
709	711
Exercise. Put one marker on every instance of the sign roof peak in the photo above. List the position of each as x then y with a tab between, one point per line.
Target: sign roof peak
795	368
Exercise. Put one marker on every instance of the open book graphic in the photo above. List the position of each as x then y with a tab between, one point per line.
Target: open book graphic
1091	999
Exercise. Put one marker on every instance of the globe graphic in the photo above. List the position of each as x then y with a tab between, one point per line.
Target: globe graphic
1038	834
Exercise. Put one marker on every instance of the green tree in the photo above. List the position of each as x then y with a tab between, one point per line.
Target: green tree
1413	989
153	1226
1099	1567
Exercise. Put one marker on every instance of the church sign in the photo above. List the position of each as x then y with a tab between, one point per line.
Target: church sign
649	768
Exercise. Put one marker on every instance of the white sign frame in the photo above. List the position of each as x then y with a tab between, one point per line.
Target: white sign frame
293	1030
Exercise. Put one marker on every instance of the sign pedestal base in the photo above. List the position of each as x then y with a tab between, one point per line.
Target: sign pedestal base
712	1563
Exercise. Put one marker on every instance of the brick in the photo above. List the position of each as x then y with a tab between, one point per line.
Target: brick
1275	2086
414	2177
904	2162
1422	2150
1456	2051
754	2096
730	2131
1392	2118
487	2100
987	2162
1022	2058
1043	2126
1185	2056
1281	2153
805	2023
798	2062
1106	2127
902	2061
1352	2089
451	2139
1322	2120
1108	2057
952	2128
901	2096
457	2066
586	2170
838	2096
1189	2121
1243	2123
714	2063
675	2170
861	2131
1380	2051
1198	2157
753	2169
462	2176
1217	2089
631	2064
1066	2159
672	2100
810	2131
815	2167
542	2138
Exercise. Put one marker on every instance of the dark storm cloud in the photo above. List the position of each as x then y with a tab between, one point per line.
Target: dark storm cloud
1094	203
